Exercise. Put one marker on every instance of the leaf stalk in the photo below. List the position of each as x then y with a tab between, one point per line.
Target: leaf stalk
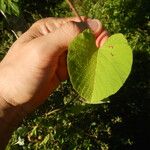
72	7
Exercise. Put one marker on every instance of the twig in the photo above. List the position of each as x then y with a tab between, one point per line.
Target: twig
74	10
60	109
53	111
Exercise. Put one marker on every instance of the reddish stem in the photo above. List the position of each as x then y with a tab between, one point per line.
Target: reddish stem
74	10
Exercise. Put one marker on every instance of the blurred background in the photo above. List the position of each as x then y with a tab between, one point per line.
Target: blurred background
64	122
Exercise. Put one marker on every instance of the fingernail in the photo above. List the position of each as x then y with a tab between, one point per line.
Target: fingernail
94	24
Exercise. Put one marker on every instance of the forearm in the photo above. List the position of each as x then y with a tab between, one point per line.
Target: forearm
10	117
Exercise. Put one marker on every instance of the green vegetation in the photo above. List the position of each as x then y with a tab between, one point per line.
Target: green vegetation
64	122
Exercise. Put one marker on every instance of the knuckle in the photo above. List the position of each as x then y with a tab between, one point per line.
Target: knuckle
48	22
38	23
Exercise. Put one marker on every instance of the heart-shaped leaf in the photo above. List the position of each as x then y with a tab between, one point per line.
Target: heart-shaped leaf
97	73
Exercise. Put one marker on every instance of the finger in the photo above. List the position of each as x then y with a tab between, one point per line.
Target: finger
55	43
102	38
95	25
61	38
45	26
61	71
53	23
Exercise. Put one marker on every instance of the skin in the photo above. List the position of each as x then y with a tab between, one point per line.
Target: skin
35	65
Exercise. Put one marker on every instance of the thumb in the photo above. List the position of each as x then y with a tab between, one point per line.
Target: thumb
55	43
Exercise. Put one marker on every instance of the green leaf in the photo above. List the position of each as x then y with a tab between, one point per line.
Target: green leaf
15	8
97	73
10	7
2	5
46	139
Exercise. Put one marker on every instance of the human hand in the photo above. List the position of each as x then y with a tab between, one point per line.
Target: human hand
36	63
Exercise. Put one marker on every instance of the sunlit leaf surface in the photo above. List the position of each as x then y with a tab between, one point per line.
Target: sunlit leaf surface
97	73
